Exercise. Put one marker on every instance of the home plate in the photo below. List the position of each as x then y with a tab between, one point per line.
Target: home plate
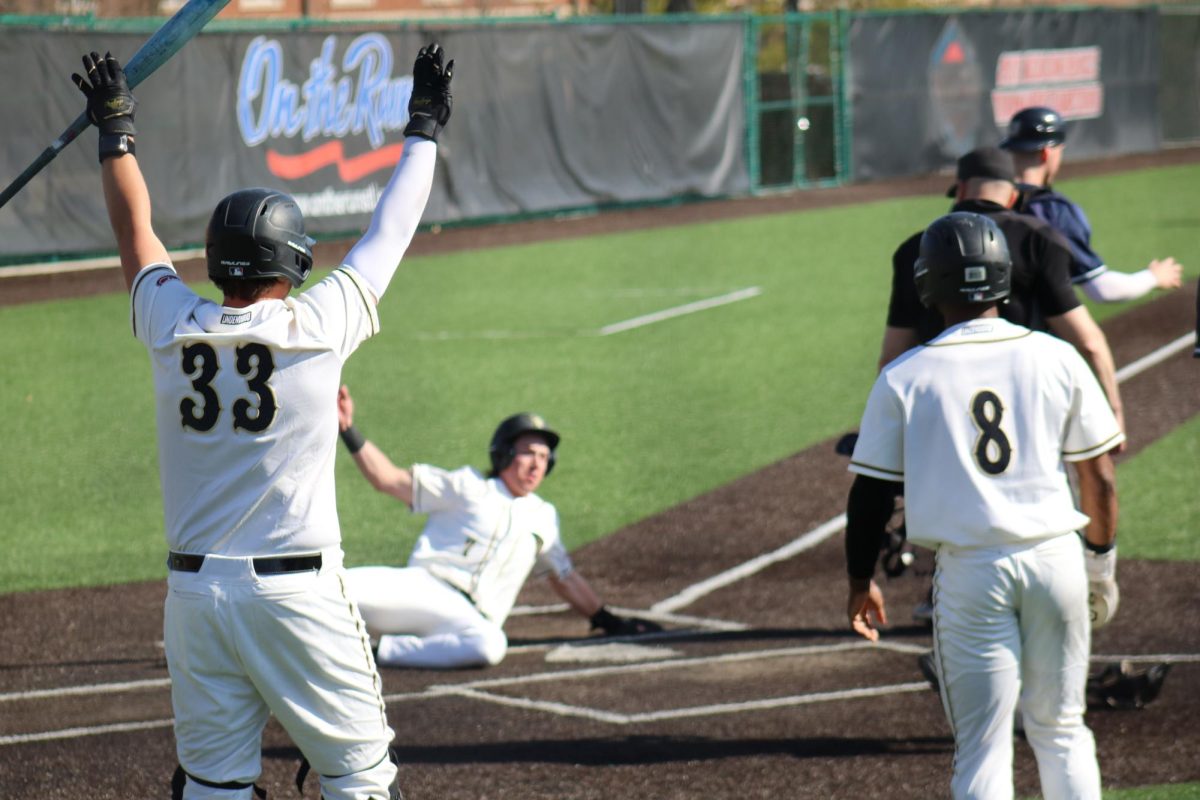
611	653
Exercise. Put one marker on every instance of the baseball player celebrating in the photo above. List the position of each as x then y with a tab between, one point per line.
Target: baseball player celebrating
484	536
1036	138
256	620
977	424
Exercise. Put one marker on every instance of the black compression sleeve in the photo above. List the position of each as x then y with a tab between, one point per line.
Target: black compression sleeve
868	510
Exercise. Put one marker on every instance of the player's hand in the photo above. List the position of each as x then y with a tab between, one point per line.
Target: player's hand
866	610
429	104
1167	272
345	407
614	625
110	104
1103	594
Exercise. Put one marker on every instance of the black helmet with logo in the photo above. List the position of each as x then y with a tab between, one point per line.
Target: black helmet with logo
258	233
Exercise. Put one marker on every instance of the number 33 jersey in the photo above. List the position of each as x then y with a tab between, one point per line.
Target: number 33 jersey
246	408
977	424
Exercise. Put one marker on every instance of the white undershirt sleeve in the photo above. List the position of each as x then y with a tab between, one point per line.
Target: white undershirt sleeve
377	254
1111	286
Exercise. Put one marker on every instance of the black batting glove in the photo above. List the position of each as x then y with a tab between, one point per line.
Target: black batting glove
612	625
429	104
110	104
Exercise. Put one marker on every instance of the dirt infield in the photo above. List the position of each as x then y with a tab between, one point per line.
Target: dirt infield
755	691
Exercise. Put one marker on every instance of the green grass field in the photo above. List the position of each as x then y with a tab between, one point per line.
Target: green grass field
650	417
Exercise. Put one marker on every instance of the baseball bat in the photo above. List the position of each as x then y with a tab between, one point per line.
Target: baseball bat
164	43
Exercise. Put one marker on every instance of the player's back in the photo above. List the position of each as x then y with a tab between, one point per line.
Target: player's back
246	413
986	409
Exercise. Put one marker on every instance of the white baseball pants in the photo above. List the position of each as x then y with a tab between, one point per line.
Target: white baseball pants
1012	622
240	647
422	621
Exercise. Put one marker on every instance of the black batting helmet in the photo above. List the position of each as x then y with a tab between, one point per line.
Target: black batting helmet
258	233
501	450
964	259
1035	128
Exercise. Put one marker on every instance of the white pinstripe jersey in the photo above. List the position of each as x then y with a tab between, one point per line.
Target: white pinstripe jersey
977	424
481	539
246	407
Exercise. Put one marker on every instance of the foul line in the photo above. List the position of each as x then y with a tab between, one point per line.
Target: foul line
679	311
1157	357
747	568
88	689
74	733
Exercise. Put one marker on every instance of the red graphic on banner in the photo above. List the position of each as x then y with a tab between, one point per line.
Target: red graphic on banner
349	169
954	54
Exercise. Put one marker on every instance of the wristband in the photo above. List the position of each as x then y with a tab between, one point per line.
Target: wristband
116	144
353	439
1099	549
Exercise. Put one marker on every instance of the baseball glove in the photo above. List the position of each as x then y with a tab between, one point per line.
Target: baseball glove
1121	686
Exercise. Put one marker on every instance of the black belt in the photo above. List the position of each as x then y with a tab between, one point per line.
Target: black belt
189	562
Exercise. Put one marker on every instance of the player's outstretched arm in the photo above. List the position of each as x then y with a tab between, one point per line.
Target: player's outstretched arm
110	107
1111	286
582	598
398	213
375	466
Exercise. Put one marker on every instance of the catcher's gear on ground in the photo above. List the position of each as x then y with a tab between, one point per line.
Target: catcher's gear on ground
110	104
1103	595
430	102
1123	686
1119	685
501	451
1035	128
258	233
613	625
964	259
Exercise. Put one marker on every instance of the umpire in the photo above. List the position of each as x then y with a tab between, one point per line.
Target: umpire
1042	295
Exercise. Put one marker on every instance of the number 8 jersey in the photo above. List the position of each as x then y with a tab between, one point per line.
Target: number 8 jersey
246	410
977	424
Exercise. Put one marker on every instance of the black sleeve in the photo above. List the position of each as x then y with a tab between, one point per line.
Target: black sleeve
868	510
904	307
1054	291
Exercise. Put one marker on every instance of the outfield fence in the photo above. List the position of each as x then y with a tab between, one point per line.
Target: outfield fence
558	116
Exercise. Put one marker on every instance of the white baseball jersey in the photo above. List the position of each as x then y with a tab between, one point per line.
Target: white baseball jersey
977	423
482	540
247	411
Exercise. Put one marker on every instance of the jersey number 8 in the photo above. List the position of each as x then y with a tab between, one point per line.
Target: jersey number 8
253	361
993	452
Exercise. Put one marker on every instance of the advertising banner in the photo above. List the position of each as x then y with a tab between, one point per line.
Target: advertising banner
926	88
545	117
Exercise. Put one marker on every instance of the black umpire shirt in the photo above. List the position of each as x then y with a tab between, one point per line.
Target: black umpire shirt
1041	274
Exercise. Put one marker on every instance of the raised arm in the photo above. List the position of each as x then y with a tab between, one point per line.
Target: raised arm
110	107
398	213
375	466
